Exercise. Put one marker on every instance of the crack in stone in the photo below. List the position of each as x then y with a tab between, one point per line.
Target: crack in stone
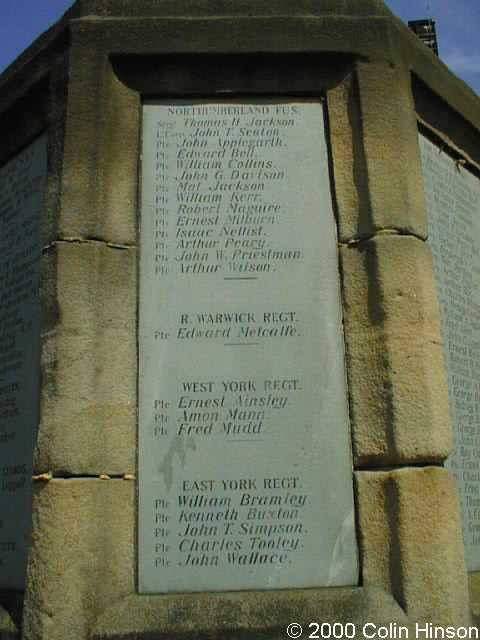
81	240
381	232
424	464
49	476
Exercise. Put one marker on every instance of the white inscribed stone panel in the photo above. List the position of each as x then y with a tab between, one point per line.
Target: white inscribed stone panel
244	449
453	208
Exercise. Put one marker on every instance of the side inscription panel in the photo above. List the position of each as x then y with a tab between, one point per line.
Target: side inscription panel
22	188
453	207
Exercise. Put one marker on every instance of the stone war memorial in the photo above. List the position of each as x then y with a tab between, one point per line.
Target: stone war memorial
240	327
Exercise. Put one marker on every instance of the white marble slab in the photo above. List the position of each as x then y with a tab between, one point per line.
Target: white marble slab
244	448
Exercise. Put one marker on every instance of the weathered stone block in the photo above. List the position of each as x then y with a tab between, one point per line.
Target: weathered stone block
399	411
411	542
99	186
245	615
88	361
57	99
81	558
376	159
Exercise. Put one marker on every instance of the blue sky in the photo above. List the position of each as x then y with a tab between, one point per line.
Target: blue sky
458	27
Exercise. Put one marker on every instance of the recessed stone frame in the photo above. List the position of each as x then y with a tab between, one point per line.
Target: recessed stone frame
83	546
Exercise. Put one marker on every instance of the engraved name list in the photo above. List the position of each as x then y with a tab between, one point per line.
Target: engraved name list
453	208
244	456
